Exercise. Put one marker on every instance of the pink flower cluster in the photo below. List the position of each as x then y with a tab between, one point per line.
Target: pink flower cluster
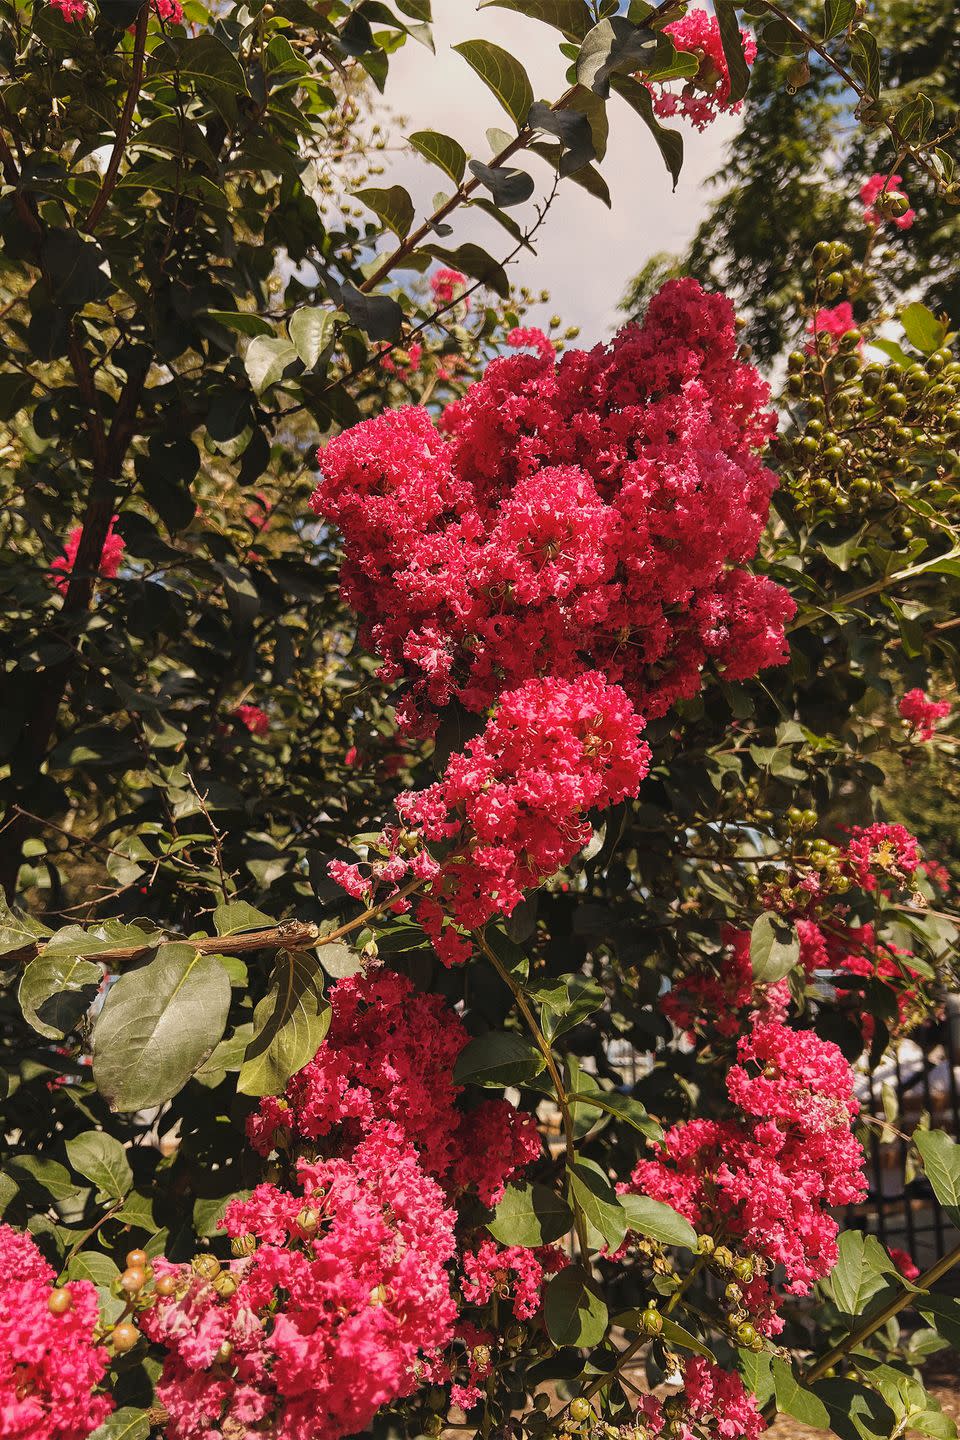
510	809
512	1274
345	1293
921	714
768	1177
707	94
113	546
871	192
881	852
389	1057
256	720
714	1404
50	1365
724	997
835	321
447	285
586	513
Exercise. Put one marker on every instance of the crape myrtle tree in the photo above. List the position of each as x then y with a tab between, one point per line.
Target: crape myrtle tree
407	716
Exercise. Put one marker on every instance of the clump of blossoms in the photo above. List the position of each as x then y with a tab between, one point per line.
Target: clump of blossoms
389	1057
921	714
340	1294
587	513
766	1179
834	321
713	1404
707	94
50	1364
257	721
448	285
726	995
513	1275
110	557
886	203
511	809
833	949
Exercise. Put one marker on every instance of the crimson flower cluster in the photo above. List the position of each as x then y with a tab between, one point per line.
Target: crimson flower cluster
707	95
714	1403
586	514
50	1363
111	556
876	213
921	714
767	1178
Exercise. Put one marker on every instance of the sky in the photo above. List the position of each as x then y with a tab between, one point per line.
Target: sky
586	254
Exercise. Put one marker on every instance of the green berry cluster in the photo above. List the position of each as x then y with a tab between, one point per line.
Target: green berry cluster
870	440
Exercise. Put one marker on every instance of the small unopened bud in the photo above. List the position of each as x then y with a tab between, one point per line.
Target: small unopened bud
206	1266
224	1353
225	1284
308	1220
242	1246
59	1301
378	1295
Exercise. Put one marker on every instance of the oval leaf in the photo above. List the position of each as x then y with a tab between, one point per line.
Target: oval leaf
158	1025
391	205
530	1215
441	150
311	330
574	1312
55	991
497	1058
502	73
103	1160
658	1221
289	1025
774	948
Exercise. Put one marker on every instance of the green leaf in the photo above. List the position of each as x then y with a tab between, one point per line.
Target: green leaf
573	1310
499	1058
379	316
392	205
289	1025
530	1215
865	59
794	1399
441	150
614	47
92	1265
837	15
622	1107
669	142
507	186
311	330
124	1424
55	991
339	960
774	948
158	1025
592	1194
101	1159
571	17
658	1221
755	1368
18	931
732	41
266	359
474	261
502	73
863	1271
856	1413
237	915
943	1313
242	321
922	328
677	1335
941	1165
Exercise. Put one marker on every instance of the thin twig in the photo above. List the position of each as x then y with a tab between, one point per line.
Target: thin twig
112	171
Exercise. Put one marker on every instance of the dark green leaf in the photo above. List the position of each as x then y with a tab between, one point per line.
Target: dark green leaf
289	1025
572	129
614	47
794	1399
126	1423
378	315
863	1271
392	205
574	1312
623	1107
732	42
593	1195
441	150
158	1025
755	1369
837	15
658	1221
56	990
865	59
101	1159
242	321
569	16
774	948
502	73
507	186
922	328
474	261
497	1058
237	915
941	1165
530	1215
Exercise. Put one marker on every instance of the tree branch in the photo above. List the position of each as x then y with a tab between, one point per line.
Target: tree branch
126	120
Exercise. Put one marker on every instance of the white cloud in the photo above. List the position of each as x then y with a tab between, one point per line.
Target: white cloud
586	253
